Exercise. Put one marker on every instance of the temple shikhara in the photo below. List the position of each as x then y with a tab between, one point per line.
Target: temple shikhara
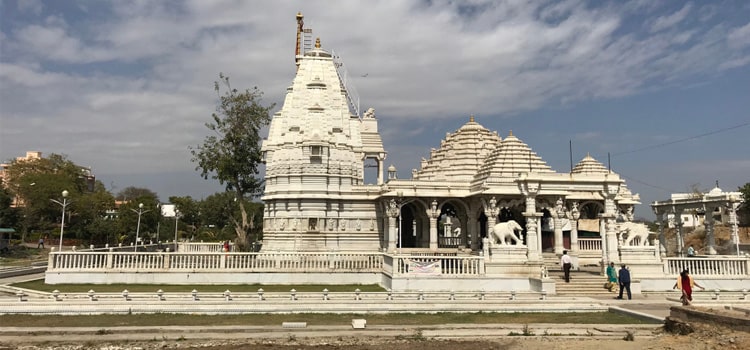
483	212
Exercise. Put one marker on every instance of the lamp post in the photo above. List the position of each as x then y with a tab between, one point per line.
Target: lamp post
64	204
176	217
158	223
140	211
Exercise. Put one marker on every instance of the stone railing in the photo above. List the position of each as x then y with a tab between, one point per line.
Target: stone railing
434	265
717	266
203	247
450	242
212	262
590	244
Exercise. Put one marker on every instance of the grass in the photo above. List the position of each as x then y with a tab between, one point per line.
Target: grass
203	288
148	320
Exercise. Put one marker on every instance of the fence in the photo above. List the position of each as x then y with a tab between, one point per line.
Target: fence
708	267
434	265
589	244
76	261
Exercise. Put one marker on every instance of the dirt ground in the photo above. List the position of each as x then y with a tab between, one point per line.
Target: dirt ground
704	337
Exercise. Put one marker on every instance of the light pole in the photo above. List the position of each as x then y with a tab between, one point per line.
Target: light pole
176	217
158	223
140	211
64	204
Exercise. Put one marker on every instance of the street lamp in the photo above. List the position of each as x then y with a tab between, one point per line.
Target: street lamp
176	216
140	211
64	204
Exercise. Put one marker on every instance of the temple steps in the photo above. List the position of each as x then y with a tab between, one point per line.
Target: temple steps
584	282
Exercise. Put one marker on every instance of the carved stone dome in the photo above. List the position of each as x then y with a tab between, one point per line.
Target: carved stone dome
460	154
589	165
511	158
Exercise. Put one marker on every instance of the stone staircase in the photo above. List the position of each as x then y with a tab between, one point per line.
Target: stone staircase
587	281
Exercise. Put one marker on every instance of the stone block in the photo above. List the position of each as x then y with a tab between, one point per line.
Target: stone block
359	323
294	325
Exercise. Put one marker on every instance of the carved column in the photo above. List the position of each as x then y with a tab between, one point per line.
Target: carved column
533	243
610	214
733	206
392	210
491	210
708	222
380	170
557	215
433	213
661	219
678	228
574	215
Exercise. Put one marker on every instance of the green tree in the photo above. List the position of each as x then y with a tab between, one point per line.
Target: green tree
8	214
232	154
744	212
127	219
33	182
88	220
131	193
189	211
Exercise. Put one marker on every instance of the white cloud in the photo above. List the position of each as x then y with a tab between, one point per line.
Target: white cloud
30	6
665	22
739	37
132	89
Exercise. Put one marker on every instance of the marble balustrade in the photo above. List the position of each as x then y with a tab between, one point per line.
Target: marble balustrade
708	267
214	261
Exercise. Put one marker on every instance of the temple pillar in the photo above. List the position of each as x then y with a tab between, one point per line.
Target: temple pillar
708	222
533	243
392	234
733	206
678	228
464	221
574	215
558	213
610	215
380	171
393	211
661	219
433	214
491	210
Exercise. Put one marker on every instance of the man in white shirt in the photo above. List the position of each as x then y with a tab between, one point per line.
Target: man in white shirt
566	264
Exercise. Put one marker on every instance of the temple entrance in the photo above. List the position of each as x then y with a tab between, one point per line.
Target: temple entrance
409	236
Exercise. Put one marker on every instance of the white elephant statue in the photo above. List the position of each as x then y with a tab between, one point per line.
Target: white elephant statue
504	230
634	230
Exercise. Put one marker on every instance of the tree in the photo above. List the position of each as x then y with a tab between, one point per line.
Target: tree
131	193
8	214
232	154
33	182
744	212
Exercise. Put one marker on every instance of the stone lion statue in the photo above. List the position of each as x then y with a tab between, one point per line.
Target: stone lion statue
504	230
632	230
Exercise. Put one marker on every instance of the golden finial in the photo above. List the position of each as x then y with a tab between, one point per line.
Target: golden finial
317	43
510	133
471	118
299	15
588	155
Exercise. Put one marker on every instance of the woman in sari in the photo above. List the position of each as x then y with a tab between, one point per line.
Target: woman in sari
612	278
686	283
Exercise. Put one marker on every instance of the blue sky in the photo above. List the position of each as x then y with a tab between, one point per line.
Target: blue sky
125	87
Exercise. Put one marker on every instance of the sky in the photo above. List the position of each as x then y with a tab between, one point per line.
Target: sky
658	90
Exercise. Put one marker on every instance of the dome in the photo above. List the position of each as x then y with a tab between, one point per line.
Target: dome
511	158
460	154
589	165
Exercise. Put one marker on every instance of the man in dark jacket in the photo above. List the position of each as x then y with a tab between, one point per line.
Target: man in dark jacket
624	278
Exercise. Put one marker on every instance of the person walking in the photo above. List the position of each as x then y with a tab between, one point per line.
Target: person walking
566	262
40	244
686	283
612	277
624	279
